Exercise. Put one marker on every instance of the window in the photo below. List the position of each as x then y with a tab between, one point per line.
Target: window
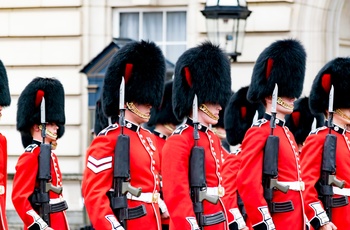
167	28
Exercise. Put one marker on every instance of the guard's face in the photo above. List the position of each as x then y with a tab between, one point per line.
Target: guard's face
206	118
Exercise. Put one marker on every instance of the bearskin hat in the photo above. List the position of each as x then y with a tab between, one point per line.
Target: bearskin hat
221	120
28	107
101	121
336	73
205	71
239	116
5	98
301	121
283	62
164	113
143	66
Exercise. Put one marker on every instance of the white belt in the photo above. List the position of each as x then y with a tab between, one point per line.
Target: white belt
216	191
341	191
2	190
56	200
294	185
147	197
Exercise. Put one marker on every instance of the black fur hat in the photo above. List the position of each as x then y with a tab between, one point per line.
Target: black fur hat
221	120
164	113
336	73
28	107
143	66
5	97
239	116
300	122
205	71
283	62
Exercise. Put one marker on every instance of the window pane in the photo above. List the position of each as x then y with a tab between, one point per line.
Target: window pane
176	26
173	52
129	25
152	26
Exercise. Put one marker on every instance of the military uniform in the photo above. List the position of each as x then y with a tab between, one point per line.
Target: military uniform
3	181
5	100
98	177
176	188
335	73
26	194
142	66
229	172
249	182
280	64
203	71
24	183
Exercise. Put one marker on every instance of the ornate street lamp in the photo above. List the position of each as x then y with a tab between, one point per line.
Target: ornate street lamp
226	20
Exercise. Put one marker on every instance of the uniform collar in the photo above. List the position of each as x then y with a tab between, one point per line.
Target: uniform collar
201	127
132	126
160	135
279	122
36	142
336	128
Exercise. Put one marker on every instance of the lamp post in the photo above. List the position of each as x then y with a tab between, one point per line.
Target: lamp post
226	20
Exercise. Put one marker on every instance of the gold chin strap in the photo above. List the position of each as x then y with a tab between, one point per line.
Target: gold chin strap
132	108
53	145
221	135
284	104
168	127
342	114
205	110
50	134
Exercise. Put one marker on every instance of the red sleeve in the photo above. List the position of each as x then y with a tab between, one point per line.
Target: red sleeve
3	181
249	178
229	172
311	161
176	153
24	184
97	181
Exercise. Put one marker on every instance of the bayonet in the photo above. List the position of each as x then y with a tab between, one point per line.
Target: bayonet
43	119
274	107
330	107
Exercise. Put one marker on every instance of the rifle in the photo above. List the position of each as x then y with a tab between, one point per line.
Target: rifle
328	170
270	163
121	173
40	198
198	182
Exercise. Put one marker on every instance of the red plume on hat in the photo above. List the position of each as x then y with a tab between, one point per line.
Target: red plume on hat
143	66
28	107
301	120
239	114
336	73
283	62
5	97
205	71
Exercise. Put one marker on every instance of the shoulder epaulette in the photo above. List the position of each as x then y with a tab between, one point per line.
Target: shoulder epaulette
259	122
30	148
315	131
107	129
180	129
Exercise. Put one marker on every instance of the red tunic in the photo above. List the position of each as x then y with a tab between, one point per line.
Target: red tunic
311	158
160	141
3	182
229	174
98	177
24	183
175	172
249	180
